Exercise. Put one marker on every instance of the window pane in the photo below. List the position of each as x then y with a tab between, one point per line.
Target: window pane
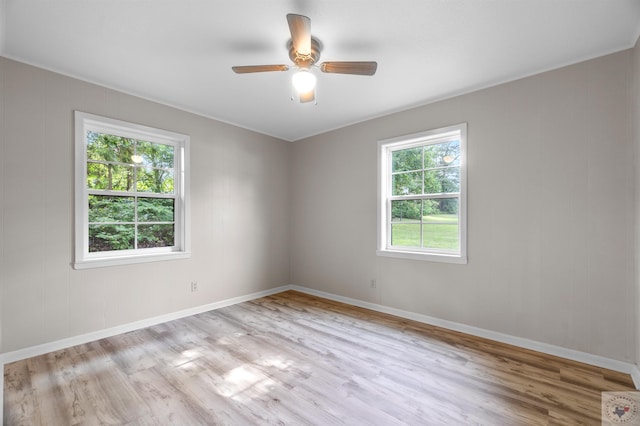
405	234
111	237
407	183
450	178
441	236
155	209
407	159
440	228
442	154
157	235
110	209
440	210
155	154
109	177
103	147
406	211
442	180
157	181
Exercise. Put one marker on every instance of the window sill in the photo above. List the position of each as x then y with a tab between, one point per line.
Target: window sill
128	260
431	257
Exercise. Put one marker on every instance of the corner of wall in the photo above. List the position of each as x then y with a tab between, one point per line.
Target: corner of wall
2	179
635	129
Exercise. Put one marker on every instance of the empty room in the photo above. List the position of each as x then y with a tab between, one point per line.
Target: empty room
318	213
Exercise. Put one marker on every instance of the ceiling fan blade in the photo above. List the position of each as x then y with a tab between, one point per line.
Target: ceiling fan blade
310	96
358	68
258	68
300	28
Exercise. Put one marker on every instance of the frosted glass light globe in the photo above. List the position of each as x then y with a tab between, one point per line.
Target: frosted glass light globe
304	81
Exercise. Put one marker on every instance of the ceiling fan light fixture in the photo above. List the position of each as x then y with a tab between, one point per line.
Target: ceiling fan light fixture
304	81
304	52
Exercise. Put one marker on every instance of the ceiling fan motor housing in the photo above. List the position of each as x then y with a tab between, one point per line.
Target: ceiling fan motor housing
302	60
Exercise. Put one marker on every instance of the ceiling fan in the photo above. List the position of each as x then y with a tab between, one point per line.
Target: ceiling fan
304	51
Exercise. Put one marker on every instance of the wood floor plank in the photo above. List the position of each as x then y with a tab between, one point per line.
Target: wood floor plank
295	359
22	400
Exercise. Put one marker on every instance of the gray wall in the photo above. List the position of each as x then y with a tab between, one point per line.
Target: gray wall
550	212
635	114
239	201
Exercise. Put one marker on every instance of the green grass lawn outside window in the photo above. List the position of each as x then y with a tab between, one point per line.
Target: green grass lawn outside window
438	232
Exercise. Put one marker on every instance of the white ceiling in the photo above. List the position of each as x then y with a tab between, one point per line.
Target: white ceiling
180	52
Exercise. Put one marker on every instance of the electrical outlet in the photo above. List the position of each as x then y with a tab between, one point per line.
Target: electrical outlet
194	286
373	283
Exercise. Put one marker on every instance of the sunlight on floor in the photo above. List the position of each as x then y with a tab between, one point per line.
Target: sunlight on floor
187	356
250	381
245	383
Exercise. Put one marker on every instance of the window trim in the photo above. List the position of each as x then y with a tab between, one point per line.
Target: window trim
182	248
385	146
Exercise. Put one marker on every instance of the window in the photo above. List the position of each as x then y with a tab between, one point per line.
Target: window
422	196
131	197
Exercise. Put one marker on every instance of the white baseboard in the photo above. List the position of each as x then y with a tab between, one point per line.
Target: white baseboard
635	375
587	358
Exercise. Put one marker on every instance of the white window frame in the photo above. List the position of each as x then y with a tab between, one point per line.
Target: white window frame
385	148
83	259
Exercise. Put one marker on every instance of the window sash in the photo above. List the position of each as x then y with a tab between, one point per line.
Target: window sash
424	196
421	222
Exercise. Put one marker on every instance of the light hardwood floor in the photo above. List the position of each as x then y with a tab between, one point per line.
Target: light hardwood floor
296	359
